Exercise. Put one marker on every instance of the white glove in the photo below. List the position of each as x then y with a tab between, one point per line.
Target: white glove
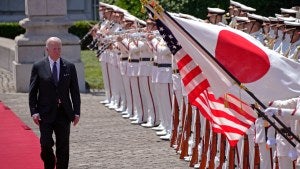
293	154
270	111
286	112
271	142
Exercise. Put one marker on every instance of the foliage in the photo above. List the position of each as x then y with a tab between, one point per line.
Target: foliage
269	7
198	8
10	29
92	69
80	29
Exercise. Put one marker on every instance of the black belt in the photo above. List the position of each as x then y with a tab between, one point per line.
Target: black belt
133	60
145	59
176	71
155	64
164	65
124	58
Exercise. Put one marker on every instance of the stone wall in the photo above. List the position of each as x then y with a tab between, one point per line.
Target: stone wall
7	53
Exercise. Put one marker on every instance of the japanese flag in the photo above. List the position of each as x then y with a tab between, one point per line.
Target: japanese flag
267	74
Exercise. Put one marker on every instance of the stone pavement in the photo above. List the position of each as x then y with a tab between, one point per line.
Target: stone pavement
102	139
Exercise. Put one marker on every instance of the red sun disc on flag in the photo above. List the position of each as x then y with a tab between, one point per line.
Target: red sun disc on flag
243	59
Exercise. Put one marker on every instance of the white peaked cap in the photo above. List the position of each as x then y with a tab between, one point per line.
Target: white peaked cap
289	19
235	3
292	23
241	19
255	16
247	8
216	10
289	11
273	19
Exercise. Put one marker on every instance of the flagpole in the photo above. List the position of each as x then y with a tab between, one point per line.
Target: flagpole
246	90
236	80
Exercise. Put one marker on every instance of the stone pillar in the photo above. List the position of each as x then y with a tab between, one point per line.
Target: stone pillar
45	18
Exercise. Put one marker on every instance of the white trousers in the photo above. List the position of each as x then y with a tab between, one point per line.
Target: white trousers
106	81
164	91
147	99
136	97
128	94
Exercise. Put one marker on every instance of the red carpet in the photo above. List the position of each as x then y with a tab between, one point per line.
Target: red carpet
19	146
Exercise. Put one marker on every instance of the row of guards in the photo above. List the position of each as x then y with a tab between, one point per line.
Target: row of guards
142	81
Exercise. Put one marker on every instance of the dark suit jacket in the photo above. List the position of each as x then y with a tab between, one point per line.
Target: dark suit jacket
44	94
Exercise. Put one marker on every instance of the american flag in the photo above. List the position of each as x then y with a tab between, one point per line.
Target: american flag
228	115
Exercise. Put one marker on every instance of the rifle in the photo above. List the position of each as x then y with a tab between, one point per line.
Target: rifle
205	144
246	152
222	151
187	133
231	157
195	154
175	121
179	137
213	151
256	157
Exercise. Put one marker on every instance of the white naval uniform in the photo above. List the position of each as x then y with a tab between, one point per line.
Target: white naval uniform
164	84
103	59
277	44
145	75
117	87
132	72
153	45
285	45
283	146
124	49
260	139
294	52
258	35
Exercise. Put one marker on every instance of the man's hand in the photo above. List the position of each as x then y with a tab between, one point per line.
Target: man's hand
36	118
76	120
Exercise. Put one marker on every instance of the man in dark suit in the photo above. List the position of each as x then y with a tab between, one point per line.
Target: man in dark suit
54	101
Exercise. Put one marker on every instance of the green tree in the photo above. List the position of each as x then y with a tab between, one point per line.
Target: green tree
198	8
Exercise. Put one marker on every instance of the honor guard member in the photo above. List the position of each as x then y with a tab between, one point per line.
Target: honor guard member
233	10
134	46
272	34
145	72
163	81
216	15
254	27
115	78
123	63
240	23
103	58
261	139
293	29
280	33
288	110
153	42
286	39
245	10
288	12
